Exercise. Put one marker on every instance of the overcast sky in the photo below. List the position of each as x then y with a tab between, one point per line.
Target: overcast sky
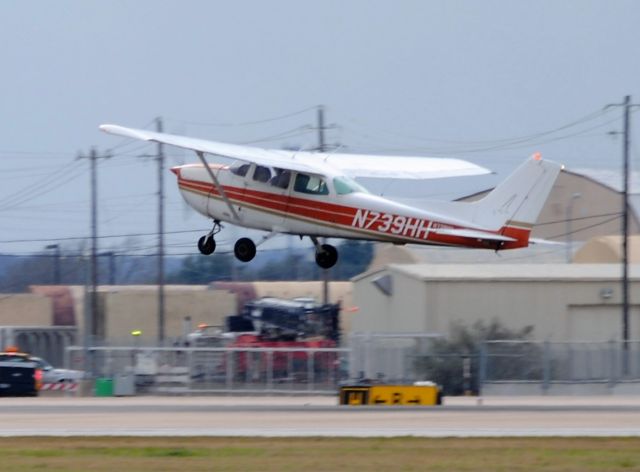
442	78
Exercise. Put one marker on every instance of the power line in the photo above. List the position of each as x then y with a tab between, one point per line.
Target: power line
538	254
298	131
39	192
75	238
39	185
578	218
36	154
589	117
584	228
531	142
529	256
67	204
245	123
498	145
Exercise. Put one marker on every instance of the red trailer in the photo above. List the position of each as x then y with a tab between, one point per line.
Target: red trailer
287	360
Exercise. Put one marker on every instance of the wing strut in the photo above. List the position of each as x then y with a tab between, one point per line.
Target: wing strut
218	186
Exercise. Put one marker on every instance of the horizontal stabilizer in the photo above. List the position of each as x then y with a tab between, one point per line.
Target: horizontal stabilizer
471	233
546	242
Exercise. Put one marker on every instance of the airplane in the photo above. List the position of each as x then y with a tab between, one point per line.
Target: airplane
314	195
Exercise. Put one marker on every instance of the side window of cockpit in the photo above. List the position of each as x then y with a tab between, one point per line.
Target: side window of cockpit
281	179
261	174
310	184
240	170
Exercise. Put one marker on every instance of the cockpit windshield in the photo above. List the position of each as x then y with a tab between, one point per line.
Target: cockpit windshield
345	185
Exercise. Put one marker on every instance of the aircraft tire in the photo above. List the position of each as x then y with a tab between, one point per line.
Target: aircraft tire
206	245
327	257
244	249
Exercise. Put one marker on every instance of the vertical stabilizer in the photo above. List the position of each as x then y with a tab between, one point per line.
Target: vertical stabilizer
518	200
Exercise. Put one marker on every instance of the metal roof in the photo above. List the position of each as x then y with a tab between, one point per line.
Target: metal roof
614	180
610	178
510	272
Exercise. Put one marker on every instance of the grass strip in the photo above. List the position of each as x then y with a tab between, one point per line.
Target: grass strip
318	454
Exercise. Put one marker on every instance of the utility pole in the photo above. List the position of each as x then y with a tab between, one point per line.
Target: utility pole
112	266
56	262
569	217
93	312
626	104
321	143
322	147
160	159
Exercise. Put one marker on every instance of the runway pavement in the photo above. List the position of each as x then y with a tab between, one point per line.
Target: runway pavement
318	416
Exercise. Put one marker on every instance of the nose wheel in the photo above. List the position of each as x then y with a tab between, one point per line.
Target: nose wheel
207	244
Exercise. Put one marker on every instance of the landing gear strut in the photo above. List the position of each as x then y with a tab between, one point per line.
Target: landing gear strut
244	249
207	244
326	254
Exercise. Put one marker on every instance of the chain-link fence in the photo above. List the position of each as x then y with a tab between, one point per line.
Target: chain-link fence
389	358
217	370
494	367
550	364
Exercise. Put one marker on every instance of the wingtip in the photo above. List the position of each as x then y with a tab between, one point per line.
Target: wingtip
118	130
105	127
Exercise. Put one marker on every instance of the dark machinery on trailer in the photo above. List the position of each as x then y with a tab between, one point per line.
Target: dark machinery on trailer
277	319
288	327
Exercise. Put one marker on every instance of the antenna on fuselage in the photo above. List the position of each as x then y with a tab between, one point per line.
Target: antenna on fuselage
333	151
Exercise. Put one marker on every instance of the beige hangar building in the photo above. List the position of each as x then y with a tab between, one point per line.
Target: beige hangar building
563	302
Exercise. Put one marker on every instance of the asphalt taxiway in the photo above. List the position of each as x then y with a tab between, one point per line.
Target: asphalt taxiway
318	416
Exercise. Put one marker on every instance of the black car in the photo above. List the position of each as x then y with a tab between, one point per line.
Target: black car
19	375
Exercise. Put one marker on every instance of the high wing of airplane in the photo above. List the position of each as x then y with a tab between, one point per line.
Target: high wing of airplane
315	195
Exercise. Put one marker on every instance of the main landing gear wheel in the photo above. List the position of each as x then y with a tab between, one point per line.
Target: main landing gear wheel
206	245
244	250
326	256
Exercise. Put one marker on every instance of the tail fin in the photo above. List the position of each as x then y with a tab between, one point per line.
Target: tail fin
518	200
506	215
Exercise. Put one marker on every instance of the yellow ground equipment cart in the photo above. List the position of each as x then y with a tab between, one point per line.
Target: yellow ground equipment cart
421	394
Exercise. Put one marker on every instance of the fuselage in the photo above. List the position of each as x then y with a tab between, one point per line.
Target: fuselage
329	205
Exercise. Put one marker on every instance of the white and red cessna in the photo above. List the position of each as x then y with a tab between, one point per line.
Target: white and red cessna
314	194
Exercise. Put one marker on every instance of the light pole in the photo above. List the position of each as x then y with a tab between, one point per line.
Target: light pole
56	262
569	216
